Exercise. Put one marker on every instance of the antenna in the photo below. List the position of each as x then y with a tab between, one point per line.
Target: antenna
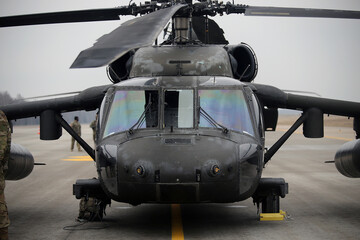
244	72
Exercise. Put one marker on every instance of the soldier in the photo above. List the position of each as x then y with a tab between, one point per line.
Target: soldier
77	128
5	140
93	126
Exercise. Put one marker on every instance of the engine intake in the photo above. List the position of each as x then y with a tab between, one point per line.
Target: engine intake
347	159
119	70
21	163
244	62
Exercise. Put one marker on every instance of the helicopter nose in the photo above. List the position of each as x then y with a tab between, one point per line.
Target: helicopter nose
178	168
170	160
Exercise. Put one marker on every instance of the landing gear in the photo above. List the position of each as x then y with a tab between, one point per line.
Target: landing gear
91	209
93	199
268	194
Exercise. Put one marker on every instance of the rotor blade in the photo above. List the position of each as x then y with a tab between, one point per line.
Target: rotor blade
300	12
135	33
65	17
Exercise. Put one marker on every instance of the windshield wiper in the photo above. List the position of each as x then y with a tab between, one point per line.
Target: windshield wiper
141	119
212	121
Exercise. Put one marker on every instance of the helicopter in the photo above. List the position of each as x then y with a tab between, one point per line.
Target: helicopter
183	121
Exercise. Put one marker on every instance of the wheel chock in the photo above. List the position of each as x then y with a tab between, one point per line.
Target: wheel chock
280	216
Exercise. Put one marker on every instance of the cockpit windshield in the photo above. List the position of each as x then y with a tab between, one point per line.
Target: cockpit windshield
228	108
139	109
127	109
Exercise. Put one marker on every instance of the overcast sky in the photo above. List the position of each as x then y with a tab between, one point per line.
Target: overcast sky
307	54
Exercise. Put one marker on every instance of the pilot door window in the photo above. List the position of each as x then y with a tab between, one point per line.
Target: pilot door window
133	109
225	108
179	109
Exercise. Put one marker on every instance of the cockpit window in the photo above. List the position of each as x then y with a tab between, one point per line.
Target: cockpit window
132	109
179	108
227	108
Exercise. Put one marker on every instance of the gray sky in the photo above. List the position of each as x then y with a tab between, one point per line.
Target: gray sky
307	54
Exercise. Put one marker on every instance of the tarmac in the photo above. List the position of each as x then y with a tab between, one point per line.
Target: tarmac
321	204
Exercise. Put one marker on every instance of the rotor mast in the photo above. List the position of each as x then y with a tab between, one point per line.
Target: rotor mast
182	30
182	26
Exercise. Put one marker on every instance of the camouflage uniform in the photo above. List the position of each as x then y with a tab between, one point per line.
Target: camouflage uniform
93	126
77	128
5	139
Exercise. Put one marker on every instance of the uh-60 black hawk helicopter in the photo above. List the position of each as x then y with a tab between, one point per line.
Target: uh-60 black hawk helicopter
182	121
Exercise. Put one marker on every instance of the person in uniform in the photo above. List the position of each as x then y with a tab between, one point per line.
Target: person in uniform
5	143
93	126
75	125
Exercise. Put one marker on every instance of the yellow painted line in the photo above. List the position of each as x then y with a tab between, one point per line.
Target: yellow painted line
176	223
329	137
339	138
78	159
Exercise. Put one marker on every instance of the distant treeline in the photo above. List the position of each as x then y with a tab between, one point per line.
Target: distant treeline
84	117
